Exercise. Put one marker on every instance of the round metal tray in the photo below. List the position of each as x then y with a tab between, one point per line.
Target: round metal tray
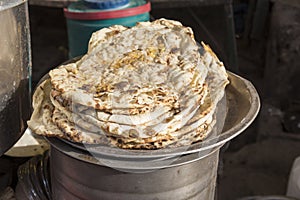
242	107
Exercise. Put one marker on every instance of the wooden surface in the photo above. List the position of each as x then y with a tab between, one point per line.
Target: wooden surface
155	3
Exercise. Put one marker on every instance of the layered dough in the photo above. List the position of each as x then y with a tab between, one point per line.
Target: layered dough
146	87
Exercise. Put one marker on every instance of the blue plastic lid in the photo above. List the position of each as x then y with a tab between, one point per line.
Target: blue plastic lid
105	4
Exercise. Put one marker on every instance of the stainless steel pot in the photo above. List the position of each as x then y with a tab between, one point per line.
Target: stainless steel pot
73	179
15	68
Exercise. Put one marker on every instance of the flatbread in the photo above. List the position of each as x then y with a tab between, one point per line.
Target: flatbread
42	123
164	60
146	87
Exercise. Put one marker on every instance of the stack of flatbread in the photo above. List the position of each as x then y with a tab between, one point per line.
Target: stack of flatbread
146	87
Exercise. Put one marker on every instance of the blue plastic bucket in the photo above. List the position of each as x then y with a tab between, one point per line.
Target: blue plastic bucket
83	20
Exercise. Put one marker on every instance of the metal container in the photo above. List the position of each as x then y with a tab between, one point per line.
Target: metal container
33	179
15	68
76	179
98	172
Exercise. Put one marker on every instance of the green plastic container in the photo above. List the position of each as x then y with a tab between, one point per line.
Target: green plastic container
82	21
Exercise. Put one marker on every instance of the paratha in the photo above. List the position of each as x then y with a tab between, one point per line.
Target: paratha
150	86
41	121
